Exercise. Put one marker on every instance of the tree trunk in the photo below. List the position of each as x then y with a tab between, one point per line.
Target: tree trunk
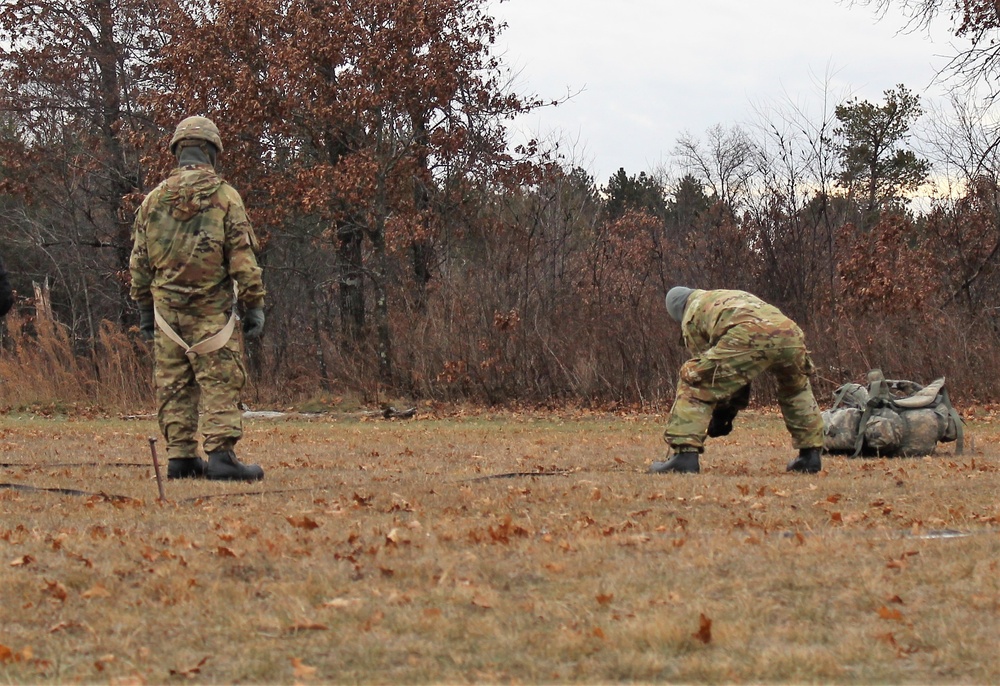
352	286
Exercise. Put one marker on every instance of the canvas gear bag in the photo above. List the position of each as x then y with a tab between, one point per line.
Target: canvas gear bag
891	418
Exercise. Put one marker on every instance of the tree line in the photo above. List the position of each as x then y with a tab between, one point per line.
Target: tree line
409	249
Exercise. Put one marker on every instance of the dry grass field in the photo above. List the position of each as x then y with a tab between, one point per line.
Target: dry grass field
499	548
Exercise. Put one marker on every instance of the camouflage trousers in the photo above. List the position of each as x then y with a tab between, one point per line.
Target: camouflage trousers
201	392
740	356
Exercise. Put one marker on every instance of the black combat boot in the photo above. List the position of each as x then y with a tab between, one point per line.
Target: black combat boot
808	461
685	462
223	466
186	468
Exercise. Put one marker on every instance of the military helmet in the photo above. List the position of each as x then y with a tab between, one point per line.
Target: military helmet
197	128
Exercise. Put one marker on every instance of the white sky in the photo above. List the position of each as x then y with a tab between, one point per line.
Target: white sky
646	72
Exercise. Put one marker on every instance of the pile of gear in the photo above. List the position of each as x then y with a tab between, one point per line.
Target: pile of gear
891	418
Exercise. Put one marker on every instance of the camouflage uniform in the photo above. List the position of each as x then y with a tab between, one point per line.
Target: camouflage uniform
734	336
192	240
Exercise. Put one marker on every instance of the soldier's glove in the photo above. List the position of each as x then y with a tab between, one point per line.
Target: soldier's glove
147	324
721	423
725	412
253	323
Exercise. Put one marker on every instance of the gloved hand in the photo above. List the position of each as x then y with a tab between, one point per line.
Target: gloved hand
721	423
725	412
147	324
253	323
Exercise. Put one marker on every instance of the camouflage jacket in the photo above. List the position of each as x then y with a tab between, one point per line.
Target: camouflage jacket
709	315
191	241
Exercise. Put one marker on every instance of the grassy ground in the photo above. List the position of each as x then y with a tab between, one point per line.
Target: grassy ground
391	552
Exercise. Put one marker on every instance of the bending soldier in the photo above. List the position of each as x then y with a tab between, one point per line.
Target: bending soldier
733	337
194	248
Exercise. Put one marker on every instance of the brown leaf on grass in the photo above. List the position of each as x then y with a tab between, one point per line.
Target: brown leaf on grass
555	567
890	640
300	670
887	638
56	590
65	626
597	632
835	498
22	561
96	591
901	562
605	598
100	663
303	522
836	517
479	600
7	655
890	614
896	599
704	632
223	551
306	625
190	672
80	558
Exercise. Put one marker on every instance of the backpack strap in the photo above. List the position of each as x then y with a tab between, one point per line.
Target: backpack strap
957	418
839	395
206	346
878	395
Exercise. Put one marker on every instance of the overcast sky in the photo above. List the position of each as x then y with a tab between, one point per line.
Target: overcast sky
644	72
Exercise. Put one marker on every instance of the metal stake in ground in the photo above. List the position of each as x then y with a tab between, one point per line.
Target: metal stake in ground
156	468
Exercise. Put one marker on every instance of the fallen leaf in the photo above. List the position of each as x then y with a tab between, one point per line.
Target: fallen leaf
190	672
305	625
605	598
96	591
889	613
22	561
303	522
704	633
6	655
65	626
300	670
482	601
223	551
56	590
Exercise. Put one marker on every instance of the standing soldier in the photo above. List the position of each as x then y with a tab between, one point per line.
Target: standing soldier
194	250
734	336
